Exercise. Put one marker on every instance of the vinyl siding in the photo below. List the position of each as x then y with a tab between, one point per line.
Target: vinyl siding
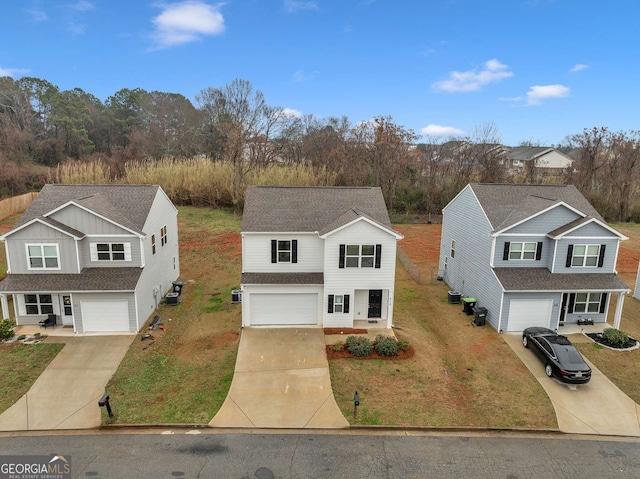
85	252
608	265
545	222
546	259
77	310
38	233
86	222
256	253
469	272
591	229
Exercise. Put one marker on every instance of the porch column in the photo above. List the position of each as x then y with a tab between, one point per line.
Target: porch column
618	315
5	306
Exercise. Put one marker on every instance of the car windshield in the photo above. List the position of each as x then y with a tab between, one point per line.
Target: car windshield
570	356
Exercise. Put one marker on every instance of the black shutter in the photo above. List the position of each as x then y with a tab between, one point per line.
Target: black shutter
294	251
378	255
603	302
274	251
346	303
572	302
330	310
569	256
341	262
601	257
505	254
539	251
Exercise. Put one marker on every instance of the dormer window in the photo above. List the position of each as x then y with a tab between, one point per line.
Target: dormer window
43	256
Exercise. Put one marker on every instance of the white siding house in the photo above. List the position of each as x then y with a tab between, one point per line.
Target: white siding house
317	256
98	257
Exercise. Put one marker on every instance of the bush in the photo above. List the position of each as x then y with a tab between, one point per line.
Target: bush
386	345
403	344
615	336
337	347
359	346
6	329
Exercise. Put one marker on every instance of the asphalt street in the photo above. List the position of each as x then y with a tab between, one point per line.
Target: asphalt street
196	454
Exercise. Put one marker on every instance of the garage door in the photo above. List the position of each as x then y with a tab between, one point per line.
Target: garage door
524	313
284	309
105	316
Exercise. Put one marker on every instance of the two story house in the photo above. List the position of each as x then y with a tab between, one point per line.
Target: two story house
533	255
99	257
322	256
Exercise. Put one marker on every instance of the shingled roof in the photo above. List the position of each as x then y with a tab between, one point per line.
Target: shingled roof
126	205
89	279
310	209
541	279
507	204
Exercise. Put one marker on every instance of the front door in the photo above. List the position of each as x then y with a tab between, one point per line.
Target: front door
563	309
66	310
375	303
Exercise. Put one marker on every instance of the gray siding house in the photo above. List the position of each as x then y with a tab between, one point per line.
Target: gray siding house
533	255
99	257
322	256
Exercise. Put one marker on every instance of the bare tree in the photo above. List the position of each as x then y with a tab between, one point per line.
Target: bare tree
489	153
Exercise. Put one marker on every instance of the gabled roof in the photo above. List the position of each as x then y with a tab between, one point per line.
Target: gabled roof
578	223
508	204
311	209
524	153
125	205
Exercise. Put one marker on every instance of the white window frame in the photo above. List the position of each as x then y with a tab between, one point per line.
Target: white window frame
361	259
39	304
338	303
42	256
287	249
95	253
521	255
453	248
587	303
163	235
586	256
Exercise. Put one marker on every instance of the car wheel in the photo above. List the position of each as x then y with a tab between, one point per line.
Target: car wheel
525	341
548	370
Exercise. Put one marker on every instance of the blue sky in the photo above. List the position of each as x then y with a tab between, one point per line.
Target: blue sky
538	69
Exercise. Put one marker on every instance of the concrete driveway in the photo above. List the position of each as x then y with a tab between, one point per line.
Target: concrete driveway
66	394
281	380
597	407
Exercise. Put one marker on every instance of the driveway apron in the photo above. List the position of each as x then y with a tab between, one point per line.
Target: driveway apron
281	380
597	407
66	394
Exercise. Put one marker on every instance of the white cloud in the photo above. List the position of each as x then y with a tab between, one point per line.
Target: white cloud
295	5
290	113
439	130
579	67
538	93
37	14
81	6
301	76
11	72
472	80
184	22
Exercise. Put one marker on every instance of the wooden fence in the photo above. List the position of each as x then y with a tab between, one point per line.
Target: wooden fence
15	204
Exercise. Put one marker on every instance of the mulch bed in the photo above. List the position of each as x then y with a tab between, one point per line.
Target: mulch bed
345	331
599	338
344	354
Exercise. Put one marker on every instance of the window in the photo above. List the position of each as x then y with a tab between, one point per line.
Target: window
587	303
284	251
522	250
163	236
360	256
585	255
38	303
338	303
453	248
110	251
43	256
153	244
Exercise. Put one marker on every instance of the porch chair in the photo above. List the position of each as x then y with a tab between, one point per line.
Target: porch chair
50	321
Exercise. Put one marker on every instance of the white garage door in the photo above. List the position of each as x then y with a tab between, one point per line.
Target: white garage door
284	309
105	316
524	313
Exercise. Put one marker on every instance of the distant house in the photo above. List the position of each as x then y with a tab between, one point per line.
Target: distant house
533	255
98	257
322	256
545	159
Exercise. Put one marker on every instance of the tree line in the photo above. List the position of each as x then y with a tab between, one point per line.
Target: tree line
43	128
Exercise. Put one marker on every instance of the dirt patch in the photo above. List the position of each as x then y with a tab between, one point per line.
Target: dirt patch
347	331
345	354
627	260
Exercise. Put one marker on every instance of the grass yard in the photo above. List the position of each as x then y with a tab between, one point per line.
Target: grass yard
21	366
184	376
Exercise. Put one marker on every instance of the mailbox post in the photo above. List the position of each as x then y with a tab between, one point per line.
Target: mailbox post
104	402
356	403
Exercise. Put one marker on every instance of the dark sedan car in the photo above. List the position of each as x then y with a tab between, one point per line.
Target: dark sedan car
561	359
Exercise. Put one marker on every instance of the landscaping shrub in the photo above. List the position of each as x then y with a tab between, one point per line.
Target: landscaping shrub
337	347
6	329
359	346
615	336
386	345
403	344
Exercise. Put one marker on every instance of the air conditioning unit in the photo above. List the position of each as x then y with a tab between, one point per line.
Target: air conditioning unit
172	298
236	296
